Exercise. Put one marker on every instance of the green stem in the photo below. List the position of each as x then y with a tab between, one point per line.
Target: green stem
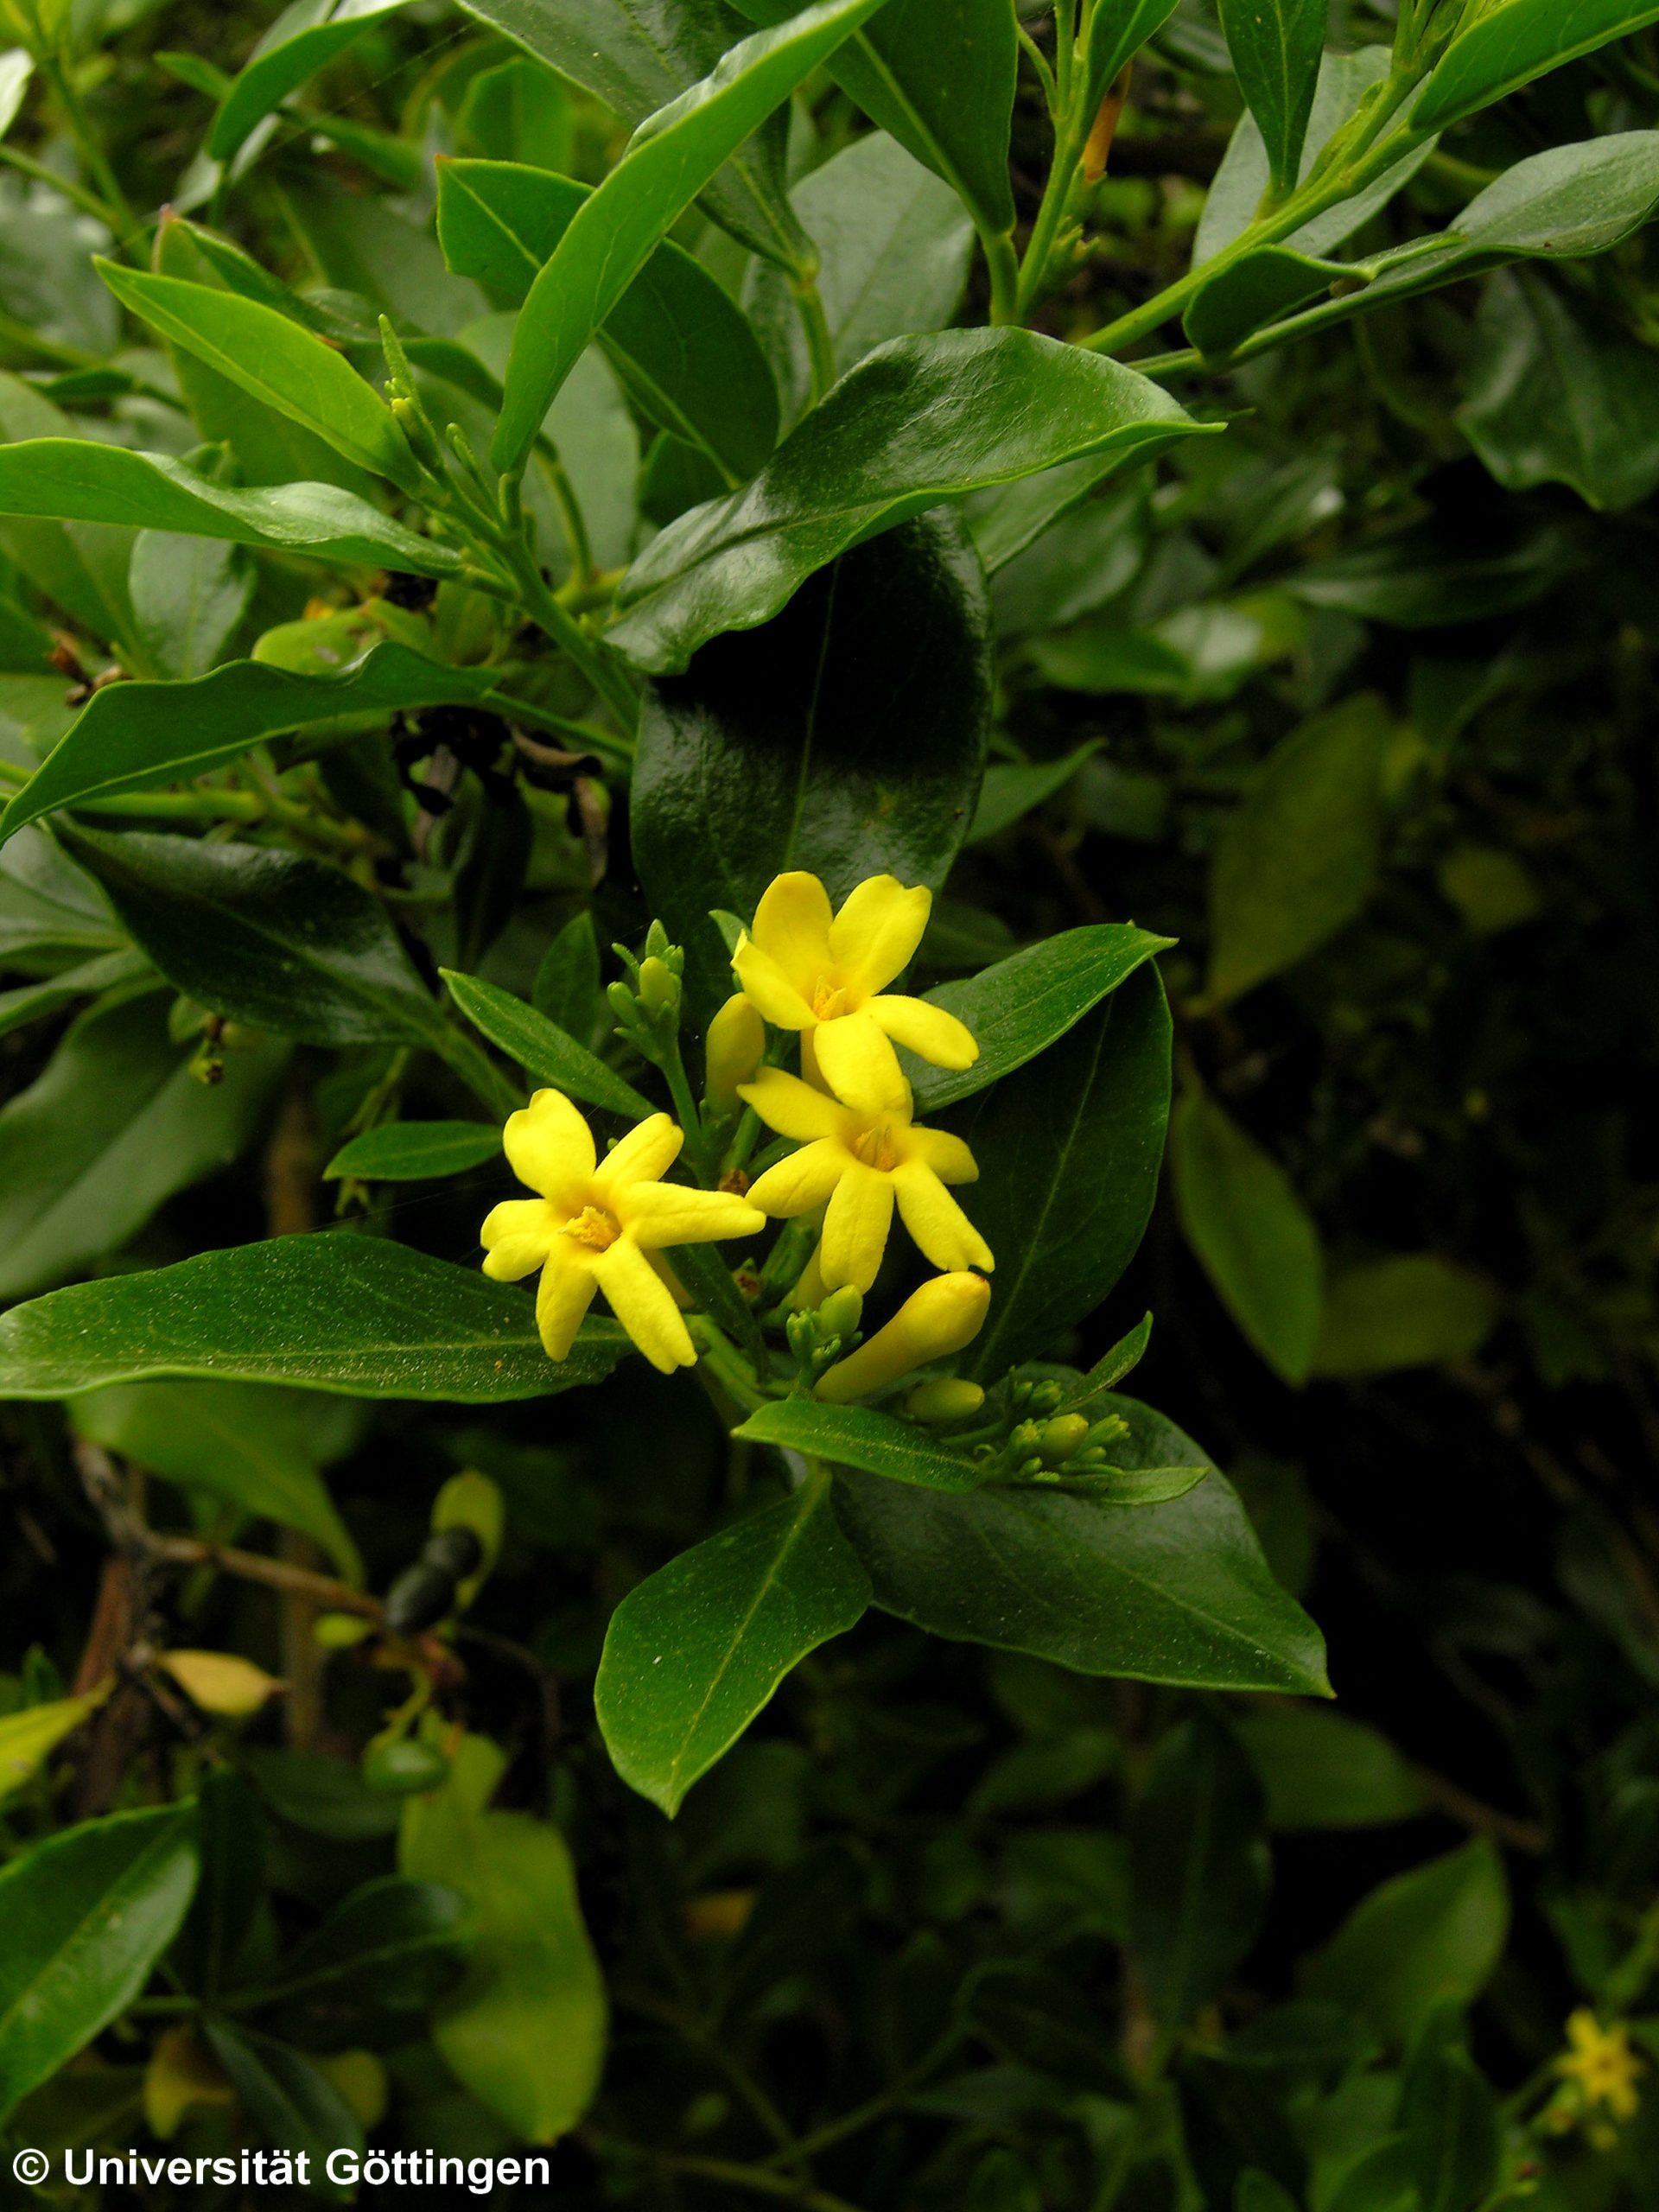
1003	264
596	663
672	1064
574	523
88	202
589	737
1035	269
126	225
726	1364
820	343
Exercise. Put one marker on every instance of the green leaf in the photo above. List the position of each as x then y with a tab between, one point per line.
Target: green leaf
1298	859
391	1948
682	348
49	909
1178	1592
1258	289
1558	392
857	1436
79	567
1454	2125
846	737
249	1448
668	161
1200	1870
415	1152
543	1050
921	421
1413	1310
1013	790
1276	45
1116	34
1068	1149
135	737
189	596
109	972
1110	1369
566	989
276	361
28	1738
293	2106
1418	579
87	1915
637	56
230	1836
265	938
1322	1770
693	1654
113	1127
353	1314
1027	1002
301	41
83	481
526	2031
1506	45
1430	1936
1256	1241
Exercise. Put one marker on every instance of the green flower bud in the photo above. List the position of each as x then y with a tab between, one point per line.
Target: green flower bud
1062	1438
944	1400
841	1313
659	987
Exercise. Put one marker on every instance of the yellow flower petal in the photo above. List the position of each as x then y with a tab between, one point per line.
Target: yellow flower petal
941	1317
767	987
517	1235
645	1153
791	1107
928	1030
937	1222
856	1227
948	1156
734	1047
793	926
642	1303
876	935
658	1214
801	1182
565	1292
860	1066
549	1145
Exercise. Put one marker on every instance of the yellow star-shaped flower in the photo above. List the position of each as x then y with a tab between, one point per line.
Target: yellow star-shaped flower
596	1224
861	1152
1603	2064
824	973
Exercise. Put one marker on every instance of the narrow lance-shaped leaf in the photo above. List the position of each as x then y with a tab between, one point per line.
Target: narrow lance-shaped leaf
1116	34
1506	46
858	1436
541	1049
670	160
410	1152
299	43
1276	46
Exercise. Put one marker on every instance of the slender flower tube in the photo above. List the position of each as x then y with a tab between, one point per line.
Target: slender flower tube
941	1317
599	1225
825	973
737	1046
862	1153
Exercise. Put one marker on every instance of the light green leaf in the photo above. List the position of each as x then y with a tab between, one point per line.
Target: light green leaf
356	1315
30	1000
671	157
303	39
1323	1770
87	1914
1117	31
135	737
692	1654
545	1053
921	421
188	594
1257	1243
1011	789
1508	44
858	1436
249	1448
1431	1937
16	67
1276	46
28	1738
1413	1310
526	2031
413	1151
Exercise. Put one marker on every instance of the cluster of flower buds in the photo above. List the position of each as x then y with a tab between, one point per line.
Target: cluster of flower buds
822	1335
1044	1444
647	1006
407	407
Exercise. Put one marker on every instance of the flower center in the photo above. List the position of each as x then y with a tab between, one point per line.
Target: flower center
594	1228
829	999
876	1148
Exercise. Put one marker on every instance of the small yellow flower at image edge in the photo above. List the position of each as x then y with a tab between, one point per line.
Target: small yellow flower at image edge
1600	2061
597	1225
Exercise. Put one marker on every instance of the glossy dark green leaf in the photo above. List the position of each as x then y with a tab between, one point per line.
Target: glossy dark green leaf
1110	1369
1421	1939
1451	2118
693	1654
858	1436
49	910
921	421
29	1001
84	481
277	362
231	1844
321	1795
682	348
1276	46
1199	1868
250	1448
1298	859
1255	1240
1178	1592
1026	1003
114	1125
1116	34
293	2105
1505	46
300	41
669	160
265	938
391	1948
135	737
189	594
1258	289
1013	790
1414	1309
87	1914
639	55
411	1152
846	737
353	1314
566	989
543	1050
1415	580
1068	1149
1321	1769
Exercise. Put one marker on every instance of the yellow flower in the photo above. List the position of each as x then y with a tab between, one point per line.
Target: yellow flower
826	974
734	1048
596	1226
939	1318
861	1152
1603	2064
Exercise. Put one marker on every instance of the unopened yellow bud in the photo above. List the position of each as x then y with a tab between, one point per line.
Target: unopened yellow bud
841	1312
659	987
182	2076
360	2080
944	1400
939	1318
1062	1438
219	1682
737	1044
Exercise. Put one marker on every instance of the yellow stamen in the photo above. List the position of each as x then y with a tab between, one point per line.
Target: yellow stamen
876	1148
829	999
594	1228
